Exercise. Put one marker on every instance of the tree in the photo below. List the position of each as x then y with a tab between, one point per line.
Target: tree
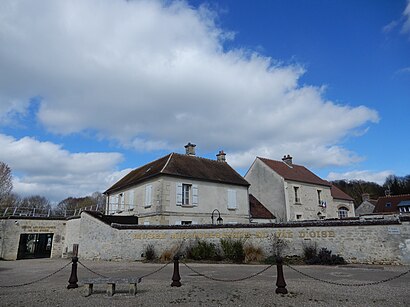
6	183
395	185
73	204
35	202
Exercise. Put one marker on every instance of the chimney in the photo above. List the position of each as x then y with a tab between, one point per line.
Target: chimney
190	149
287	159
365	197
220	157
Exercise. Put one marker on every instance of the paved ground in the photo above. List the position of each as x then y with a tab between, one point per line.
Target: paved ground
155	290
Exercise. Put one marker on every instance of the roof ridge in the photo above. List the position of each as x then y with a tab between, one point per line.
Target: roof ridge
166	163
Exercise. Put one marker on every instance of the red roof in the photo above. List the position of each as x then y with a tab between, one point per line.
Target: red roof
339	194
389	203
257	210
295	172
184	166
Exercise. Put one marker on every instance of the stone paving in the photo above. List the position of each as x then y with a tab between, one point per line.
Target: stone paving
196	290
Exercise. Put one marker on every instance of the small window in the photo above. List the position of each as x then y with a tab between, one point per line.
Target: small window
186	222
146	223
296	190
343	212
319	199
298	216
388	205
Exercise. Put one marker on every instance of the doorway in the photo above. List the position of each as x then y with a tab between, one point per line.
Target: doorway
35	245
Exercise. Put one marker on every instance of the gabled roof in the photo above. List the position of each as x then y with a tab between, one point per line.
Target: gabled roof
390	203
339	194
295	172
257	210
183	166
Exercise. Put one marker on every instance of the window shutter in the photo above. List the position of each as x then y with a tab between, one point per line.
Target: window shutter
131	199
148	195
231	199
179	194
195	194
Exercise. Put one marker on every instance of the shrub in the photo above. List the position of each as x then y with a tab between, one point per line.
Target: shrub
309	252
149	252
324	257
202	250
278	245
253	253
169	254
233	250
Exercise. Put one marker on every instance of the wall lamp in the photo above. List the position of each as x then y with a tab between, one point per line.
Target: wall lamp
219	220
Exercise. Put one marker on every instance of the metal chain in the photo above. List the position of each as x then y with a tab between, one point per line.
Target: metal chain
352	285
227	280
94	272
156	271
37	280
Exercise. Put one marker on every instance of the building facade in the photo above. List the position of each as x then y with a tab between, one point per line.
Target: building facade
292	192
181	190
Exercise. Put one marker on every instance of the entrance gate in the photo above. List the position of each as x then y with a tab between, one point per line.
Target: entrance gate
35	245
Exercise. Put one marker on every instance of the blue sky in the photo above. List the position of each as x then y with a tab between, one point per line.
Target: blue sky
91	89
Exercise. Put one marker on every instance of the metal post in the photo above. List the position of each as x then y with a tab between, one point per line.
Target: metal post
72	282
280	280
175	277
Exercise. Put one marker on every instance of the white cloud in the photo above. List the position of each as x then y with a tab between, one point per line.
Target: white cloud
406	15
153	75
46	169
366	175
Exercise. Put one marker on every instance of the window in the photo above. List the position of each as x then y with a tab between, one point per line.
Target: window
318	197
231	199
186	191
343	212
186	222
388	205
296	190
148	195
187	194
298	216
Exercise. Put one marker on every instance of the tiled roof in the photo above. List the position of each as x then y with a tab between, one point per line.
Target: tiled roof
339	194
390	203
184	166
257	210
295	172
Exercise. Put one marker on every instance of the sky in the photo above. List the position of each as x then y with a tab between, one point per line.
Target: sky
91	89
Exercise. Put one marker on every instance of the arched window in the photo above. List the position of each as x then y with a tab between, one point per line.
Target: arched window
342	212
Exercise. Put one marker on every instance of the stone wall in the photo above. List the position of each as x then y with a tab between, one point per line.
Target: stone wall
381	242
12	228
72	236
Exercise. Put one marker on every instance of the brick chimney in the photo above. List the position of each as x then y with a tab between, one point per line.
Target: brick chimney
190	149
220	157
287	159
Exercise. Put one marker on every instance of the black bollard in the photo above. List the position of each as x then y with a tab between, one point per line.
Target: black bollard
72	282
280	280
175	277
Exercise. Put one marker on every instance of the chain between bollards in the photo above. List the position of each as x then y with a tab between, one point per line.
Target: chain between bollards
280	280
72	282
176	277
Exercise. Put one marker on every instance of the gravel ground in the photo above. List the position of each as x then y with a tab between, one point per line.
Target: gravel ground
155	290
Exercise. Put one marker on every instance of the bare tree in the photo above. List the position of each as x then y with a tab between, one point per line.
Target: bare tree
6	183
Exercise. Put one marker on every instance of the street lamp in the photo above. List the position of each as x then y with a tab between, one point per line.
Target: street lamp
219	220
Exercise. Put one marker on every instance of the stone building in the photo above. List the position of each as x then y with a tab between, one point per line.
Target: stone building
292	192
182	189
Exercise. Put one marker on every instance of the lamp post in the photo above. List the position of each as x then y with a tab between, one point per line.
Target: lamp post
219	220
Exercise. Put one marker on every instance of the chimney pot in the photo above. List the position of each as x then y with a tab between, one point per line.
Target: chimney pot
287	159
190	149
220	157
